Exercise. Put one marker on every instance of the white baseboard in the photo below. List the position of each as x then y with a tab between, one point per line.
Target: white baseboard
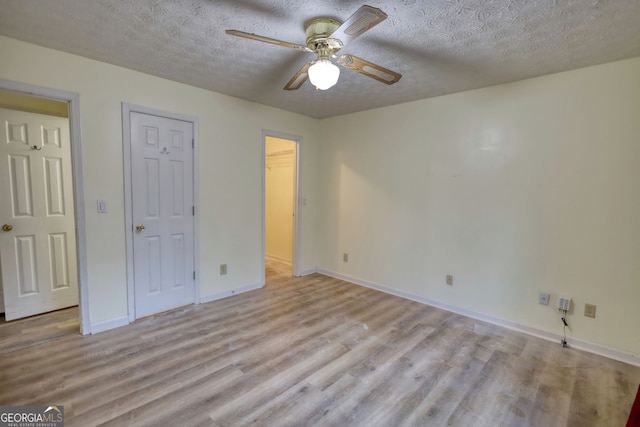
277	258
123	321
230	292
599	349
109	324
308	272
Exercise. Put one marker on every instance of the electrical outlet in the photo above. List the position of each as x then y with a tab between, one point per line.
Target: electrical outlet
590	310
345	257
223	269
449	280
543	298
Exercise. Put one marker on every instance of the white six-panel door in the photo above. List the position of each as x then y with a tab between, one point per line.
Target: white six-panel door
162	205
37	235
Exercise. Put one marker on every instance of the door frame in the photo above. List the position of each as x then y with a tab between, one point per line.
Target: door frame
297	200
127	109
73	100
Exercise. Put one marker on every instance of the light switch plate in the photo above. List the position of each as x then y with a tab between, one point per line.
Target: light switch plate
102	206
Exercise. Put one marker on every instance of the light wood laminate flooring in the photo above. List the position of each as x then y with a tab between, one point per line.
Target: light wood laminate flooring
311	351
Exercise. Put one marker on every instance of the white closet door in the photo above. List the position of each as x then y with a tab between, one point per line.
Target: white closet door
162	181
37	240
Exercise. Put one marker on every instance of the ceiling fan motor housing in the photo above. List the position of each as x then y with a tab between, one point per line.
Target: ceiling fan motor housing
318	31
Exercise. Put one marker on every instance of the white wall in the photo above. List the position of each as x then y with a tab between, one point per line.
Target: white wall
512	189
230	168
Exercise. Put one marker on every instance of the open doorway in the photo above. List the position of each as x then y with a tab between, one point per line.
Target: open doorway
43	183
280	204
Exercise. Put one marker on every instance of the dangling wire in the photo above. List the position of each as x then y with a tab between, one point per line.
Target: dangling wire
564	327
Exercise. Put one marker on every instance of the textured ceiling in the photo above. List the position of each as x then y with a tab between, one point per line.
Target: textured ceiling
439	46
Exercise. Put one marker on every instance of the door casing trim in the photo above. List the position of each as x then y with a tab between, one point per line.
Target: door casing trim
127	109
73	99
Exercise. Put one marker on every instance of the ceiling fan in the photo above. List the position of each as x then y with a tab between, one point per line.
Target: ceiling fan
325	37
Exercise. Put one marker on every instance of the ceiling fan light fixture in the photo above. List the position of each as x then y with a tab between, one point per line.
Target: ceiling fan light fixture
323	74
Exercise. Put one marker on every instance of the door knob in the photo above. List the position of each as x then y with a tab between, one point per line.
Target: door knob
7	227
139	228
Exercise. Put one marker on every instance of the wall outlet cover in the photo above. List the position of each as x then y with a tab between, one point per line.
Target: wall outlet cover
590	310
543	298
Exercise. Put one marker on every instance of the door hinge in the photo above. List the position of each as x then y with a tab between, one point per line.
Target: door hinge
193	143
194	275
193	210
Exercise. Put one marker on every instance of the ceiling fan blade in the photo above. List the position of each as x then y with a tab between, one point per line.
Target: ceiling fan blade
369	69
357	24
300	77
268	40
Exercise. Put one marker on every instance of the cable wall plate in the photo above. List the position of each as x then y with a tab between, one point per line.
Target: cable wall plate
564	303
